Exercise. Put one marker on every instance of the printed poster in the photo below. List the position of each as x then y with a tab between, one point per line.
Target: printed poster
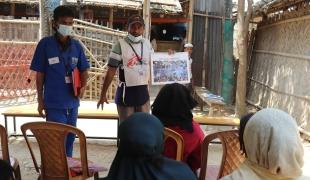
172	68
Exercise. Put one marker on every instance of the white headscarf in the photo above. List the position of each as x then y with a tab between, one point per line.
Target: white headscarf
273	146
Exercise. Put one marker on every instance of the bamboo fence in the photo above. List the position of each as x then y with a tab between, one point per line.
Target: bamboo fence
18	39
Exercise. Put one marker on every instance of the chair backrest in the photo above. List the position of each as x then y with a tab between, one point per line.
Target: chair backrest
51	140
169	133
4	144
232	157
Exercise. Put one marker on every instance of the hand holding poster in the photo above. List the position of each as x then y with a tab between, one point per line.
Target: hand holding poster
172	68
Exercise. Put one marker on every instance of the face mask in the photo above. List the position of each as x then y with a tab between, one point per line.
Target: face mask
134	38
65	30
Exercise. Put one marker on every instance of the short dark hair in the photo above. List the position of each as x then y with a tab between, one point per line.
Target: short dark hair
243	122
62	11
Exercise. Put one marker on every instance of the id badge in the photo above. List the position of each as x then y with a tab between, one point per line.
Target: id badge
53	60
68	79
141	70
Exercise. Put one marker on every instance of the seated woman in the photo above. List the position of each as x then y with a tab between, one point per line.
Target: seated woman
139	155
273	148
173	106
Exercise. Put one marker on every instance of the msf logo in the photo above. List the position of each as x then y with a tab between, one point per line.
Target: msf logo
133	61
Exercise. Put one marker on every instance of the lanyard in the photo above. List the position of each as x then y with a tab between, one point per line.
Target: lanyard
139	57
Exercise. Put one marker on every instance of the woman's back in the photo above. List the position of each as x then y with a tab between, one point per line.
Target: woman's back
173	106
192	146
272	146
139	156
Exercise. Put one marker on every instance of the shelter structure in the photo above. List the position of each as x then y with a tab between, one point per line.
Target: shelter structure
170	19
213	47
279	60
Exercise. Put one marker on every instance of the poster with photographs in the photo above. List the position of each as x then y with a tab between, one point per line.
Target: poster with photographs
172	68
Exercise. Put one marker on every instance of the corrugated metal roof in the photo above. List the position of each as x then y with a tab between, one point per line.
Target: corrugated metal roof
159	5
166	6
266	5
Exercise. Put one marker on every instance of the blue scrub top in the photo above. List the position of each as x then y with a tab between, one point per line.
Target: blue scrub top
56	64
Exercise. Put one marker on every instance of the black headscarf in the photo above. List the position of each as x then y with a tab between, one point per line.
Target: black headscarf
139	156
173	106
6	170
243	122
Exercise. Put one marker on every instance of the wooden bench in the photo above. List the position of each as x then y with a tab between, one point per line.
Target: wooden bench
214	104
205	119
109	112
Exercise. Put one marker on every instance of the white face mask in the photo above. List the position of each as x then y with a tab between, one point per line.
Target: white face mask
65	30
135	38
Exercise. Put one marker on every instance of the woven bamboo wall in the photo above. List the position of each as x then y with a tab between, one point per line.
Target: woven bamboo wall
97	42
19	30
280	69
18	40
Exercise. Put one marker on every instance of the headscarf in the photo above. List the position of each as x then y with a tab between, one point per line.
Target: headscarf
6	170
173	106
139	156
273	146
243	121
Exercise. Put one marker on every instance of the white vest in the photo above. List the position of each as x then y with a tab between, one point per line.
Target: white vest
136	72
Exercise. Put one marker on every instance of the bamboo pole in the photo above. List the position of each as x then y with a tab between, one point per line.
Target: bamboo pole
92	39
13	9
147	18
293	56
304	98
190	23
98	26
21	21
90	54
205	55
111	18
98	30
211	16
242	41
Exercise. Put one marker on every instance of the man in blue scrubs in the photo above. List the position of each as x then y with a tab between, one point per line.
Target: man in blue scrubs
54	60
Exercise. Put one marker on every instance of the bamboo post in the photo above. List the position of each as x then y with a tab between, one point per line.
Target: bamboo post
46	10
13	9
205	55
190	23
147	18
10	32
242	41
111	18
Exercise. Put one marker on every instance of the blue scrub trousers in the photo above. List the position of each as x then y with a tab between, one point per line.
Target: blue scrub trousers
64	116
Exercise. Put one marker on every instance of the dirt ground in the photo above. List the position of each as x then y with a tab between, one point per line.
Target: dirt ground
101	152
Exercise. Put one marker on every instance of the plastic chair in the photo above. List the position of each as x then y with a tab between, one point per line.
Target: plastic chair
169	133
54	162
231	157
